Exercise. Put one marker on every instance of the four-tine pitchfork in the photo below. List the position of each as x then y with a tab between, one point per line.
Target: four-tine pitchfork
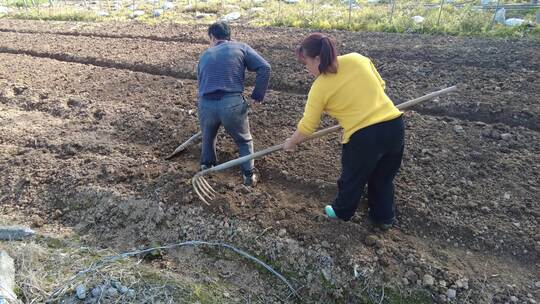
205	191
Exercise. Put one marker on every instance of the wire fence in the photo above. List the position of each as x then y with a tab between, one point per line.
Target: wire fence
390	15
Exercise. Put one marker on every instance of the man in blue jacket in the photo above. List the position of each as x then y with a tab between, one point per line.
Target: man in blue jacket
221	74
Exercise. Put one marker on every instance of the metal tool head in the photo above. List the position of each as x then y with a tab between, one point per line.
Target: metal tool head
202	187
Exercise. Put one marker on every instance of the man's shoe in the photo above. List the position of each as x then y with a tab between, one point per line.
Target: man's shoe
250	181
379	225
206	167
385	227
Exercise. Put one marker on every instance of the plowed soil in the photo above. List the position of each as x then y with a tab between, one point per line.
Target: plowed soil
89	111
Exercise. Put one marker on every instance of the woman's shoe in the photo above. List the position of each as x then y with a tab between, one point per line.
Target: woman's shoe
330	212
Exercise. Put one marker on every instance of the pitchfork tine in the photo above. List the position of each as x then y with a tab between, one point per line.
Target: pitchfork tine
196	188
204	190
208	187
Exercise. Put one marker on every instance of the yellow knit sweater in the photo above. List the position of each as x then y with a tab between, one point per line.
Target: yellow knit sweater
354	96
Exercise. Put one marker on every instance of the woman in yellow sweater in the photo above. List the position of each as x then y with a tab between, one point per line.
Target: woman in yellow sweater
350	89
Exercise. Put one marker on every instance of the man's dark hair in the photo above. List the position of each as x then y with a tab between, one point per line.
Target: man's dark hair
220	30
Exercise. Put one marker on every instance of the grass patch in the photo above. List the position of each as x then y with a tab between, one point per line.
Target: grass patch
44	264
317	14
55	15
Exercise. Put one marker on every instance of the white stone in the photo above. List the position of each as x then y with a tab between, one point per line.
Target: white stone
514	22
506	136
459	129
451	293
428	280
167	5
231	17
80	290
7	277
418	19
137	13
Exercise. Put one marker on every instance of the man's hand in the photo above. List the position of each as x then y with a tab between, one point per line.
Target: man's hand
253	104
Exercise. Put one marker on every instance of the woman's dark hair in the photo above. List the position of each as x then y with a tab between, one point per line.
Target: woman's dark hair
220	30
318	44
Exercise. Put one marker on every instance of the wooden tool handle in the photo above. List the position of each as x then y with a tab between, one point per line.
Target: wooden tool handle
321	133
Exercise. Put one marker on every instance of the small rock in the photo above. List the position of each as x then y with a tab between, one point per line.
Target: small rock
514	299
57	214
537	284
476	155
325	244
327	273
371	240
404	281
96	291
80	290
428	280
112	292
451	293
123	289
442	283
495	134
282	232
506	136
226	294
459	129
116	284
37	221
411	276
130	293
74	102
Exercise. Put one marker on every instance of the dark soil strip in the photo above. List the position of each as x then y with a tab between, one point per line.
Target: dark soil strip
510	119
113	36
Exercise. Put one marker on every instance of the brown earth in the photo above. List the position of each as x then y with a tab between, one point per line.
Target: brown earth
493	73
87	119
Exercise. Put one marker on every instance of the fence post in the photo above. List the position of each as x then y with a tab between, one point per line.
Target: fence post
279	11
494	14
350	10
392	10
26	7
440	13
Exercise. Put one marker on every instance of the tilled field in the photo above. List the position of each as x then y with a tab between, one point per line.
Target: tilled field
89	111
